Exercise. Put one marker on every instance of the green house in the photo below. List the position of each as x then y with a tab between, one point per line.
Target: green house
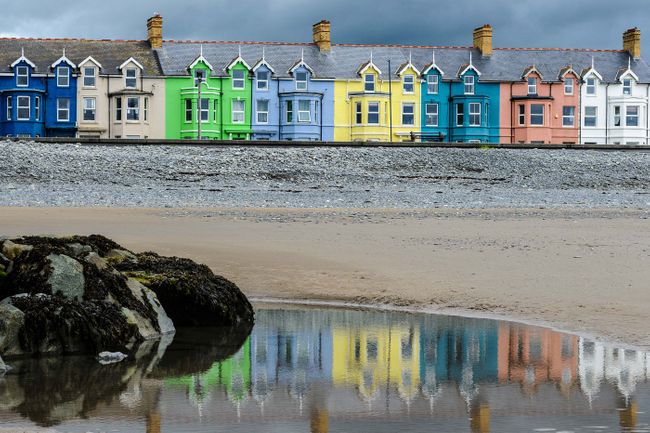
224	109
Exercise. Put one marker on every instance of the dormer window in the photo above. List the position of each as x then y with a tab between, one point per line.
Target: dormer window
369	83
199	75
591	86
568	86
301	80
131	81
432	84
469	85
532	86
627	86
408	83
90	78
238	79
62	76
22	76
262	80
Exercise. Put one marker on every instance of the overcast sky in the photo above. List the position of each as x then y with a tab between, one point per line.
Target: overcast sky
517	23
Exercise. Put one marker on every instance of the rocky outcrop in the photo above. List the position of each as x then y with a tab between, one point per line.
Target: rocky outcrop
87	294
190	293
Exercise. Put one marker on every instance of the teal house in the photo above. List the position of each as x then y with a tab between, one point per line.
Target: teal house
458	103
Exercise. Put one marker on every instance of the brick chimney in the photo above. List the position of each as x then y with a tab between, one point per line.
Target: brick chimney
483	40
154	31
632	42
321	31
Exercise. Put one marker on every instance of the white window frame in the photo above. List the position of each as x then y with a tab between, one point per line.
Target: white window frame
20	75
18	107
262	112
412	113
473	116
358	113
627	86
118	109
460	114
265	87
367	82
59	76
534	116
237	82
431	114
469	84
204	110
236	113
60	110
591	89
617	116
373	112
432	81
593	116
10	108
128	78
37	108
188	110
92	109
146	108
288	112
570	118
132	111
408	80
532	86
93	76
568	86
521	114
304	116
301	84
636	116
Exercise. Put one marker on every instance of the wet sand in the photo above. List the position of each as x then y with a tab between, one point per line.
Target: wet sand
586	271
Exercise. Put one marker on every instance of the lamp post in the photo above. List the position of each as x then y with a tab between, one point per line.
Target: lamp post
199	80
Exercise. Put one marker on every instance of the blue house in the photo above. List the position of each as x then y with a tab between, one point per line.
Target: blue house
38	101
61	99
463	108
294	105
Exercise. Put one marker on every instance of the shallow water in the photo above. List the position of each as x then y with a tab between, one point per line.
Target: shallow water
330	370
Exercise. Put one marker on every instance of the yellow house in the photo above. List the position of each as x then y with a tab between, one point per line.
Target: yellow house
368	358
365	105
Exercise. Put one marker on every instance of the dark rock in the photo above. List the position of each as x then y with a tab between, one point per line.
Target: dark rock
87	294
190	293
53	324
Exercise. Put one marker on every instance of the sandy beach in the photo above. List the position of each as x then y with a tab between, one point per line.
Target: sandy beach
585	271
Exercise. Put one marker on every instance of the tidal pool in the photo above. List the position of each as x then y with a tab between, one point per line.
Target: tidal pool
334	370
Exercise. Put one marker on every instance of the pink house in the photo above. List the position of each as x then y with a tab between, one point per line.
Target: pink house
541	109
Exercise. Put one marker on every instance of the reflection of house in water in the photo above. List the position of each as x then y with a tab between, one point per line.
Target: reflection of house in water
532	356
454	352
287	349
623	367
373	356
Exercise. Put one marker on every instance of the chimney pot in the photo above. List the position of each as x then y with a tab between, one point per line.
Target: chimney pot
322	35
154	30
632	42
483	40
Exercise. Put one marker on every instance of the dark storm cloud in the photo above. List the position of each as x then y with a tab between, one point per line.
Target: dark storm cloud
518	23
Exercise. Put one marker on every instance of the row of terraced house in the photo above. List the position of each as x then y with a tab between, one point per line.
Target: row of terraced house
319	91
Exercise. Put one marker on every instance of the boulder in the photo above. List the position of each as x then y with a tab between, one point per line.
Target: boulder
87	294
189	292
106	358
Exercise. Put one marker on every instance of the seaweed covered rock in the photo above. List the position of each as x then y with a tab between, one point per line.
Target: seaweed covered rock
190	293
61	296
87	294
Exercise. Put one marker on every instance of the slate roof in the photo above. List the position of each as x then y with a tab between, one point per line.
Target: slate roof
344	60
110	53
